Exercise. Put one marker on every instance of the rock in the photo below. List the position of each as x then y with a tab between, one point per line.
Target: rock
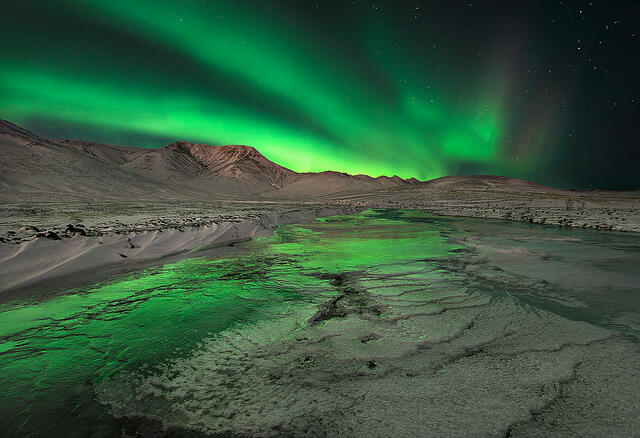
52	235
74	229
30	228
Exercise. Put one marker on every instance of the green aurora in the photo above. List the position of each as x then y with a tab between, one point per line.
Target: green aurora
358	87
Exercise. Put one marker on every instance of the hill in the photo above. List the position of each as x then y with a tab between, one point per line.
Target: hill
34	168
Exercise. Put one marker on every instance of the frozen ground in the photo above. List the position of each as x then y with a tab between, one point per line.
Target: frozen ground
384	323
493	342
41	241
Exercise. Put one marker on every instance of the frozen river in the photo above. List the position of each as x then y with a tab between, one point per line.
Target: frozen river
384	323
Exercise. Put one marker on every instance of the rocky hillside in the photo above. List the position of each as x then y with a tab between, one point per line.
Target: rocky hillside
35	168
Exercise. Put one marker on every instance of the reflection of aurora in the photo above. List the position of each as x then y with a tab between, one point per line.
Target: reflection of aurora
242	75
304	322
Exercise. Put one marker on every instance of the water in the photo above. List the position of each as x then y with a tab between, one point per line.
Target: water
94	361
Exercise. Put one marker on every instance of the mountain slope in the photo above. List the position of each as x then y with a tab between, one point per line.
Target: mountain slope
32	166
232	169
311	185
216	169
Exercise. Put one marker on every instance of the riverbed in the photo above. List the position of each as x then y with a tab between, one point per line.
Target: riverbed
383	323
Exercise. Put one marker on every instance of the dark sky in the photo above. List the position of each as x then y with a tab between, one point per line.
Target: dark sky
543	90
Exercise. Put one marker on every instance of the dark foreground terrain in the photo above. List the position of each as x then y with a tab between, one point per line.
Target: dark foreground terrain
383	323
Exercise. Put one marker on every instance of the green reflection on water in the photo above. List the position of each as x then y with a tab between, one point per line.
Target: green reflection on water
53	349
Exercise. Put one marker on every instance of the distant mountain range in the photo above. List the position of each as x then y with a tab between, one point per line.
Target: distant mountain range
32	167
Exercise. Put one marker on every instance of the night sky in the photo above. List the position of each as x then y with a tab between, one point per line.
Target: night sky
544	90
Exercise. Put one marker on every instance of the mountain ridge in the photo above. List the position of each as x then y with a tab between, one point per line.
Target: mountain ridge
33	168
180	167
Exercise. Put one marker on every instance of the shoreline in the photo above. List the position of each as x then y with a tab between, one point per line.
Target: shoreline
43	265
596	210
46	247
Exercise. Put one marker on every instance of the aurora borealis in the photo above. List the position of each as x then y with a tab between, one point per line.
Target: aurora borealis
540	90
